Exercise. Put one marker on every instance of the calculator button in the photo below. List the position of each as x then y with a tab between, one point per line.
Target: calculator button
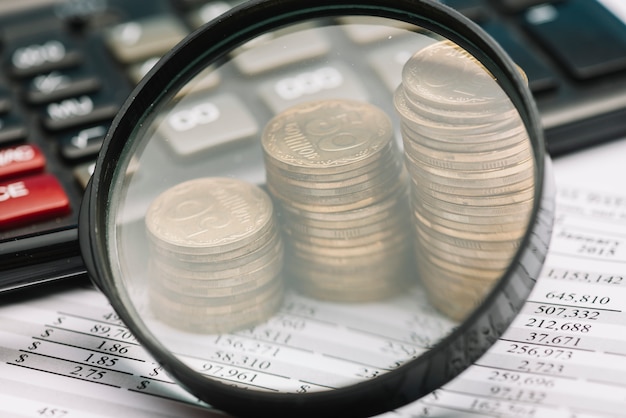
206	122
56	85
21	160
277	50
76	111
31	199
83	144
582	35
12	129
44	56
540	77
141	39
331	81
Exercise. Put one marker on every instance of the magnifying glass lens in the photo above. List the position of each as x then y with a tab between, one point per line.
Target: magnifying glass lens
311	212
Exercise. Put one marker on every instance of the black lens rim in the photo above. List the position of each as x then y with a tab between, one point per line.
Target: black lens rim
393	389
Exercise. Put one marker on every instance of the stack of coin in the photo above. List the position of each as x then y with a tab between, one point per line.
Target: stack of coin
341	187
217	255
472	174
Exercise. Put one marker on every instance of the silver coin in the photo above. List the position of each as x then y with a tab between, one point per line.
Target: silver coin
339	231
198	321
350	202
428	209
418	174
267	238
423	183
461	117
445	75
262	250
220	288
348	242
423	239
478	164
500	142
363	250
454	137
354	295
388	155
227	272
488	264
507	245
421	124
450	227
463	273
464	155
223	303
521	208
468	176
312	191
209	215
523	198
396	199
470	234
393	262
342	259
191	306
342	186
477	223
330	136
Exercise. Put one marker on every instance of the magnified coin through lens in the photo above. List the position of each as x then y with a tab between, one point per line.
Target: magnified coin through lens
302	242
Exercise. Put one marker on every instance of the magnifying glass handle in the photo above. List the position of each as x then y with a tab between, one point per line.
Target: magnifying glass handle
40	259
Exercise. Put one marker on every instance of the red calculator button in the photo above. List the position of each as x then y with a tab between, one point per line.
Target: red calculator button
31	198
20	160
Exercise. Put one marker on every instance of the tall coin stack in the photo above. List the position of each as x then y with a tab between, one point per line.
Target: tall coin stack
335	170
217	255
472	174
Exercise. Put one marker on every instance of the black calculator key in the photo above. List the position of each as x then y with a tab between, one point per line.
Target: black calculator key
76	111
57	85
83	144
540	77
12	128
41	56
582	35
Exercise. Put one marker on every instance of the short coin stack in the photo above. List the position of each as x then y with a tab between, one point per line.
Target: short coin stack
472	174
336	172
217	255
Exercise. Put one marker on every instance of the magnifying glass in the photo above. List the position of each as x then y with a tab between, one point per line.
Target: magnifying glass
302	244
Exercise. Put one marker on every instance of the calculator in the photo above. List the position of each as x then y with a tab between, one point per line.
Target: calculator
68	66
